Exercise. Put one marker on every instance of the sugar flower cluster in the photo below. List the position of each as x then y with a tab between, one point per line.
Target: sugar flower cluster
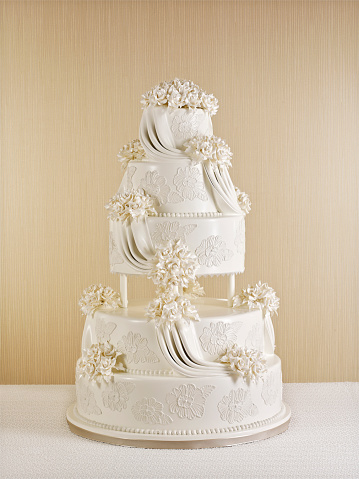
174	265
180	94
209	148
99	362
174	273
98	296
132	151
243	201
247	363
168	307
261	296
132	204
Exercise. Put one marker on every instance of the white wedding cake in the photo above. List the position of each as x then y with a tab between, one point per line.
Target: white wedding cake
178	370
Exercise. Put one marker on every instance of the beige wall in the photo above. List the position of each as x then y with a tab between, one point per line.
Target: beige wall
286	75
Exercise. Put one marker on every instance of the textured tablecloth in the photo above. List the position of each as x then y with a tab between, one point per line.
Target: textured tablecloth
322	441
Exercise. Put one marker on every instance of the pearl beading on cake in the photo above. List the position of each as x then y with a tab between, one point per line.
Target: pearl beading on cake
151	372
212	214
184	432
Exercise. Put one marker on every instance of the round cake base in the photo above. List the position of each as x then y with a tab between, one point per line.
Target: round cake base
80	427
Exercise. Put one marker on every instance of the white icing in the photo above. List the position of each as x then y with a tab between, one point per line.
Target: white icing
189	185
188	401
213	251
224	408
163	131
136	350
237	406
150	411
171	231
116	395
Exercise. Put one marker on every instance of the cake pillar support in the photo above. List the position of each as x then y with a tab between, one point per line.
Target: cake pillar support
123	290
231	288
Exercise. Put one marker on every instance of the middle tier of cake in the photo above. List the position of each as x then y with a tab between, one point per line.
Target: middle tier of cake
220	327
217	241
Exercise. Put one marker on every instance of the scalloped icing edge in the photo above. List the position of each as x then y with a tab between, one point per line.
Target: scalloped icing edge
184	432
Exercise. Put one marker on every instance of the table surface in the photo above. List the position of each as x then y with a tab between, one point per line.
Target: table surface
322	441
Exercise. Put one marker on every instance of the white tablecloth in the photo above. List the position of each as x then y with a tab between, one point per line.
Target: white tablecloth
322	441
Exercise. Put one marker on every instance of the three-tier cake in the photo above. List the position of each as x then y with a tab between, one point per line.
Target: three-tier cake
178	370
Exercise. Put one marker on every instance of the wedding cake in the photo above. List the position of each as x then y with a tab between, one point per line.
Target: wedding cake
178	370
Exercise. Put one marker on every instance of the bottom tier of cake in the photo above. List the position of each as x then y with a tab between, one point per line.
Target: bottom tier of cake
175	411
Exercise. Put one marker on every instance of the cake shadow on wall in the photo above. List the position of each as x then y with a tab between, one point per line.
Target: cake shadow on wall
181	370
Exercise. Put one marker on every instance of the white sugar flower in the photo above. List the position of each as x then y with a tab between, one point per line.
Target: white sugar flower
194	290
174	265
212	148
133	204
159	94
132	151
247	363
169	307
210	103
99	362
180	94
261	296
146	99
243	201
194	98
98	296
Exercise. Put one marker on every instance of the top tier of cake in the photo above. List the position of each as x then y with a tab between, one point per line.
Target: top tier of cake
164	130
182	169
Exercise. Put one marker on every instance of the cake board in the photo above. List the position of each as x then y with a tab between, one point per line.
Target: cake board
120	438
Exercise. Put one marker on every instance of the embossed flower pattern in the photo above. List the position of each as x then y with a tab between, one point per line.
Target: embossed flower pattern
116	395
239	239
188	401
189	184
237	406
255	338
171	231
150	411
184	124
156	186
136	349
218	337
86	399
104	330
213	251
115	256
271	388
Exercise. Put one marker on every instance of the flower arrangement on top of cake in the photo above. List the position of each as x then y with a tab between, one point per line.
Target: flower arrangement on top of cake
180	94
